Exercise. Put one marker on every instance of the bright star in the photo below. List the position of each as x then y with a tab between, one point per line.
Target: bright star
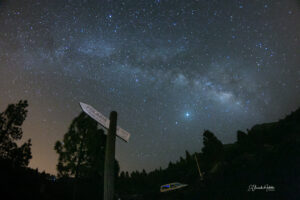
187	114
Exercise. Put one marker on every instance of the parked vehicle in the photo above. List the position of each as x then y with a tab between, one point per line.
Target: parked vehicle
172	186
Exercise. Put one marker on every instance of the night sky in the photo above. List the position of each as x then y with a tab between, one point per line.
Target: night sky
170	68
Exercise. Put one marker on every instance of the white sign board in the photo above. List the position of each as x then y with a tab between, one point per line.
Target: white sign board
121	133
104	121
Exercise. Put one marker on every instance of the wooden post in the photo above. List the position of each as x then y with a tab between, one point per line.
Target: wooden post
109	164
200	174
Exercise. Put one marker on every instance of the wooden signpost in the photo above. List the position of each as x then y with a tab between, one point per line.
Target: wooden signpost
113	131
102	120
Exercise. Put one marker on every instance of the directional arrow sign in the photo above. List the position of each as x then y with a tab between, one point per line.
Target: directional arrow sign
104	121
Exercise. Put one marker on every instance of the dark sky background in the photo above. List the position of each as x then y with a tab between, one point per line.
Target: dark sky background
170	68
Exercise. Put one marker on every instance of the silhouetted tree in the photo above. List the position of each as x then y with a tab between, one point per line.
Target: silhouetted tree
187	155
212	150
82	151
11	121
241	136
82	155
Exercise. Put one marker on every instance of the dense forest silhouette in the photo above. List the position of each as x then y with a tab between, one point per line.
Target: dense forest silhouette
267	155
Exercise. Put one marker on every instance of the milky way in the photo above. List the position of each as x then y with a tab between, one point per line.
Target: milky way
171	69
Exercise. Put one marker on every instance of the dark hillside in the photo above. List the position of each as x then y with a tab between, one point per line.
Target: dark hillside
267	156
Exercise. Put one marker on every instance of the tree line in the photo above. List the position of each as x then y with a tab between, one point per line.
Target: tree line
267	155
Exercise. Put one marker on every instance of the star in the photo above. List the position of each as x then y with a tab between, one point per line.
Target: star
187	114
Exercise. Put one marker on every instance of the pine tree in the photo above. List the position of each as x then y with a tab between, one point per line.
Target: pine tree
11	121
